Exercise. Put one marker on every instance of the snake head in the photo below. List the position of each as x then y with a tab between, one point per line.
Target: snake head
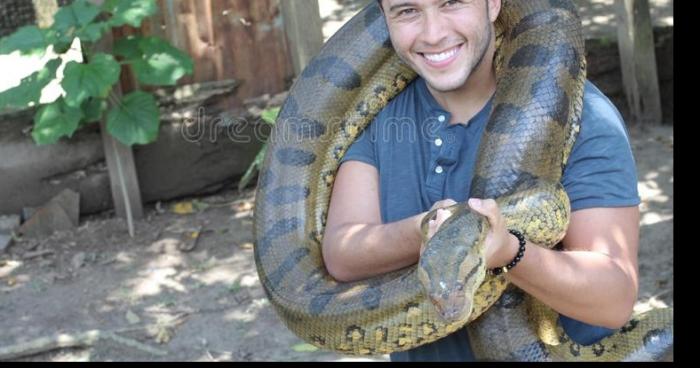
451	302
452	266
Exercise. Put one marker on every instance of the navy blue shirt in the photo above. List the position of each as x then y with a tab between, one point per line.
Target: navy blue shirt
422	159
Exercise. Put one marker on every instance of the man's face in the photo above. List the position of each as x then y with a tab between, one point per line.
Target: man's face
444	41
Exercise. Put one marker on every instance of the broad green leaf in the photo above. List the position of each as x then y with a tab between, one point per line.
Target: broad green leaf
128	48
131	12
270	115
29	89
154	61
93	108
75	16
28	40
92	32
135	120
94	79
54	121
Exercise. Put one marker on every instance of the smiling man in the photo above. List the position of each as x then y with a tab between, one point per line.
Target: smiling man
592	282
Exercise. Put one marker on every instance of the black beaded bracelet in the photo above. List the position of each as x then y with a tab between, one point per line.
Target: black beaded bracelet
521	251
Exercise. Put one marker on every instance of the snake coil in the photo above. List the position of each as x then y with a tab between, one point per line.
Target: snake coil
540	73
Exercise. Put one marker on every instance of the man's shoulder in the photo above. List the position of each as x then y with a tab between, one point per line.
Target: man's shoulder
404	103
599	114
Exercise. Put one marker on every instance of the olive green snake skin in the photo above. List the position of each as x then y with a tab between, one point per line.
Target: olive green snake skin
540	68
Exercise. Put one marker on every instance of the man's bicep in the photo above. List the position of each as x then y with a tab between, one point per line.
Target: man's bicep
613	231
355	196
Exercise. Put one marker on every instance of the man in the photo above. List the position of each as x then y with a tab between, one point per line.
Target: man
420	151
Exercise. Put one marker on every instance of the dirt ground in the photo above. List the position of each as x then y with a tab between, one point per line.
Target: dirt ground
185	288
186	283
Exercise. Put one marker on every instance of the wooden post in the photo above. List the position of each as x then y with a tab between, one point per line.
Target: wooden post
302	23
123	179
638	60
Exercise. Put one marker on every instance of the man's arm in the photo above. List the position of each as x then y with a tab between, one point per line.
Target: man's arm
356	244
595	278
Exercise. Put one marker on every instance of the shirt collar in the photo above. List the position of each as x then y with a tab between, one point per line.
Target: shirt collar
433	108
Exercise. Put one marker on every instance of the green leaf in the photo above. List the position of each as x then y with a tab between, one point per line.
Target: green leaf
304	348
54	121
270	115
29	89
135	120
128	48
62	46
154	61
92	32
93	108
235	286
130	12
28	40
75	16
199	205
94	79
253	168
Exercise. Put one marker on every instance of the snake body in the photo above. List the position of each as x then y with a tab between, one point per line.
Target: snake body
540	68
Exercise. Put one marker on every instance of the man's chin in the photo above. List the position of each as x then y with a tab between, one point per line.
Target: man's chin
444	85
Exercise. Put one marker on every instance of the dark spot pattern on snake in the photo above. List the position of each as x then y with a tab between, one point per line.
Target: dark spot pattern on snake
288	194
287	265
295	157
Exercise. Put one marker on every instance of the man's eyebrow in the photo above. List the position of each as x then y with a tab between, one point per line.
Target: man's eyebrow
401	5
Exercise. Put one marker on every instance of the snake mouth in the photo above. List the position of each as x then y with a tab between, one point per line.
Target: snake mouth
453	307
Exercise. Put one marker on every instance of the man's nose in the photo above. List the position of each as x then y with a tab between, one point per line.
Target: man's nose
434	29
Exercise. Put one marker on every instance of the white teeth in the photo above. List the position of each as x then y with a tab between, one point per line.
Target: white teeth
441	56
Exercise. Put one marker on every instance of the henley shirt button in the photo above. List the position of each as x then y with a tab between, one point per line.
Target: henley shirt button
438	170
441	118
438	142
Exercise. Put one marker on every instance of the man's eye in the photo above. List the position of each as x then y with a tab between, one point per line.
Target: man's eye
451	2
405	12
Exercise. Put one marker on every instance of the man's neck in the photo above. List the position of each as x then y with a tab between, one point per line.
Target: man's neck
464	103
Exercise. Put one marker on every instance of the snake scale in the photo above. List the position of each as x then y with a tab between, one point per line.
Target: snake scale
540	69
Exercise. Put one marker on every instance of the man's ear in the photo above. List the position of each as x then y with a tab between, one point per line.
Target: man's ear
494	9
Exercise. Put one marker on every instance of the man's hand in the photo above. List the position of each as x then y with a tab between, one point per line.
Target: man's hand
440	217
501	247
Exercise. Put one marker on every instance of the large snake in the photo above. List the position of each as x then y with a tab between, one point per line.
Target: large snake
540	69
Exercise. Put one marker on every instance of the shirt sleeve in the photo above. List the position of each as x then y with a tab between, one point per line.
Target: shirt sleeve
601	171
363	149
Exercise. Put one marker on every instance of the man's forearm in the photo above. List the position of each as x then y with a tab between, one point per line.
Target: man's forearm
587	286
360	251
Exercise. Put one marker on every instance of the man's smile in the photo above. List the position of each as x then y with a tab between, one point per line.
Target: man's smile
441	59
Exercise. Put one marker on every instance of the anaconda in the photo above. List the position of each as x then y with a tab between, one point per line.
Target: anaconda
540	69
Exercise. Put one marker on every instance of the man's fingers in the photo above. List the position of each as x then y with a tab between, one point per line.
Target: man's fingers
486	207
442	214
443	203
433	225
448	202
431	228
